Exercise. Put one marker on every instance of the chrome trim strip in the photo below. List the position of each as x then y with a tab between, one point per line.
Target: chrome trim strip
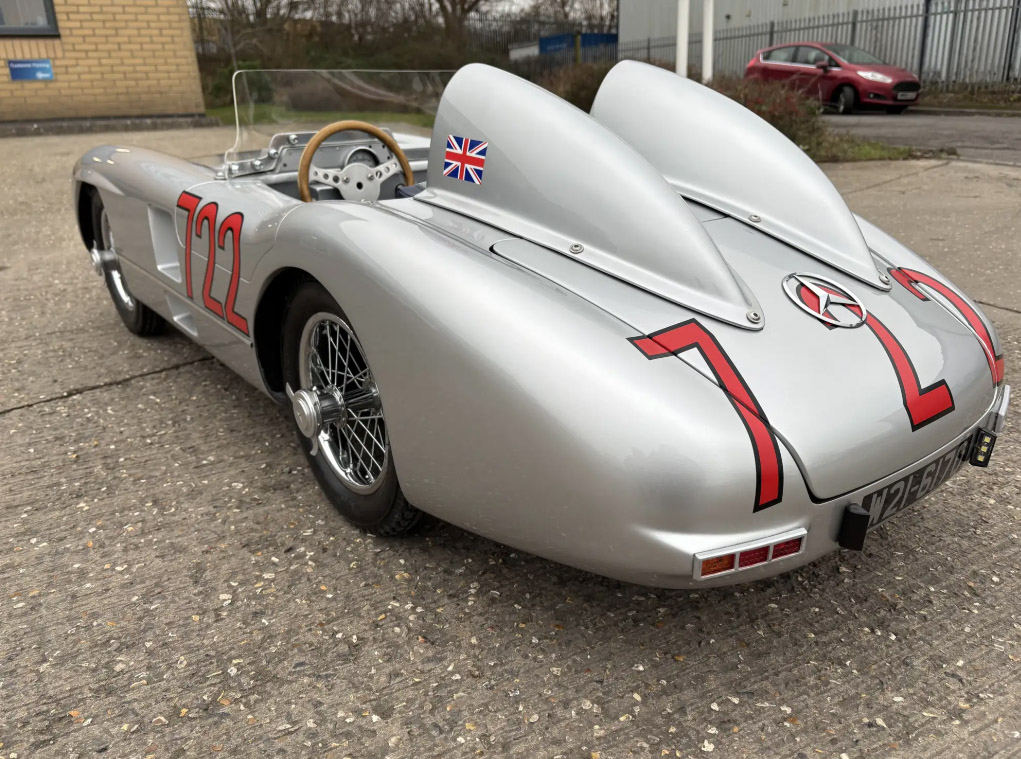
1000	415
751	545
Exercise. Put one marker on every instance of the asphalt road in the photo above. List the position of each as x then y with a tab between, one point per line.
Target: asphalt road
172	584
975	137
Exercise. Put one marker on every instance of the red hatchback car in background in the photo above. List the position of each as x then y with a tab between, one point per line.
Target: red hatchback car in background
844	76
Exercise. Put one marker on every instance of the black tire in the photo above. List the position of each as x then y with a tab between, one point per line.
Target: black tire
845	99
137	317
895	109
383	512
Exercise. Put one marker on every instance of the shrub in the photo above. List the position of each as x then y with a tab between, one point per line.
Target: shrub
577	84
220	88
787	109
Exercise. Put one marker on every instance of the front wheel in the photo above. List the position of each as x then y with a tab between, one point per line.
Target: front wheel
844	100
338	414
137	317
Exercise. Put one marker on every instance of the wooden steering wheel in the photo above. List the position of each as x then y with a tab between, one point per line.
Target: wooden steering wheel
356	181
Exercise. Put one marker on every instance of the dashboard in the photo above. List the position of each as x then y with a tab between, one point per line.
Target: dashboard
338	152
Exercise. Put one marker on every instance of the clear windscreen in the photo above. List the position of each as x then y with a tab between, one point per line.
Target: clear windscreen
269	102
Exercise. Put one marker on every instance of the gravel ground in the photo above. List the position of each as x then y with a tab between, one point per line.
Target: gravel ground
172	584
976	137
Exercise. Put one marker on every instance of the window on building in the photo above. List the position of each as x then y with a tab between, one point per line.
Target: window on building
27	18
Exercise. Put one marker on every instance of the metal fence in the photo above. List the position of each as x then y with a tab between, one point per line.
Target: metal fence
491	31
948	43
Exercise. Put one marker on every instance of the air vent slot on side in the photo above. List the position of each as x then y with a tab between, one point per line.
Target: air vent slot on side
182	314
164	243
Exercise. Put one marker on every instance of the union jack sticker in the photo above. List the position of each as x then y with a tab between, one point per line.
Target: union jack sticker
465	159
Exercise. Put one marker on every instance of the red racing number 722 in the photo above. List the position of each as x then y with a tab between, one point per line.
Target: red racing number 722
204	217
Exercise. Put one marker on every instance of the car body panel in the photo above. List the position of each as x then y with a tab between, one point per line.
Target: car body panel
723	155
863	412
647	235
521	394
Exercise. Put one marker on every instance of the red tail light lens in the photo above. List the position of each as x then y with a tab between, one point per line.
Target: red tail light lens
787	548
751	554
753	557
717	564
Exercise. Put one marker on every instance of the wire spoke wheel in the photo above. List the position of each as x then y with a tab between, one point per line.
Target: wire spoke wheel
331	360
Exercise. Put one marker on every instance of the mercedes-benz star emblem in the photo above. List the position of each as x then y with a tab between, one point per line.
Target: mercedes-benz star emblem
825	300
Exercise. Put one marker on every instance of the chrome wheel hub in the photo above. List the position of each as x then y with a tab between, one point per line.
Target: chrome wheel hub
338	407
315	411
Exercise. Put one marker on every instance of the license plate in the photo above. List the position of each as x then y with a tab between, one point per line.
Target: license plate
907	95
897	496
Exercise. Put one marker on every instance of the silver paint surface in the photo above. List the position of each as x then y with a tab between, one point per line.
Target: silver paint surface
517	408
556	177
717	152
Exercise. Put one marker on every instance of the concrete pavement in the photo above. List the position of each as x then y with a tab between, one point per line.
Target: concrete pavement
975	137
173	584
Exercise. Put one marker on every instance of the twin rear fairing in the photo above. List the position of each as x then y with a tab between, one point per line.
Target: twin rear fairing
714	258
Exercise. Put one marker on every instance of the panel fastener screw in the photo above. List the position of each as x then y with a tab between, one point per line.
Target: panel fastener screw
576	248
754	317
754	218
273	152
293	139
234	168
257	164
884	279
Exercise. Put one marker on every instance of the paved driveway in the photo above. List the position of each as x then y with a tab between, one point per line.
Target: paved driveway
172	584
978	138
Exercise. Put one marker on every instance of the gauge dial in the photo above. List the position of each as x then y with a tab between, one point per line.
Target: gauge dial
363	156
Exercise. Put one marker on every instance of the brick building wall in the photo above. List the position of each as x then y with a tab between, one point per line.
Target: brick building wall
111	58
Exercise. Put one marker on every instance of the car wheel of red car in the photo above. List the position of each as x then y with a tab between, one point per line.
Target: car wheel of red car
137	317
338	414
844	100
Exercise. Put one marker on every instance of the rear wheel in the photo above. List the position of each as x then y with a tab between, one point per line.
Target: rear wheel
844	99
137	317
339	415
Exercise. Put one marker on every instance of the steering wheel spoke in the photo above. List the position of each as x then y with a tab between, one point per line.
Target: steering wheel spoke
325	176
385	170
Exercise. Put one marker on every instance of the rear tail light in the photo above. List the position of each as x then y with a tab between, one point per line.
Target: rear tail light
753	557
787	548
718	564
748	555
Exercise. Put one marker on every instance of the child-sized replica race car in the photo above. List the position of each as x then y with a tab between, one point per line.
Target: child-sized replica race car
651	341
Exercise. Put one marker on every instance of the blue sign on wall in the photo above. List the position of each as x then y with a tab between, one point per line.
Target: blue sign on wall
39	70
592	39
557	43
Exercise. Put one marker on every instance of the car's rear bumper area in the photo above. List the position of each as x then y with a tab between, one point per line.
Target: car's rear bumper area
819	528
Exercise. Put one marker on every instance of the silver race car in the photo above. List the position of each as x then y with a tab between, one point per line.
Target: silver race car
651	341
